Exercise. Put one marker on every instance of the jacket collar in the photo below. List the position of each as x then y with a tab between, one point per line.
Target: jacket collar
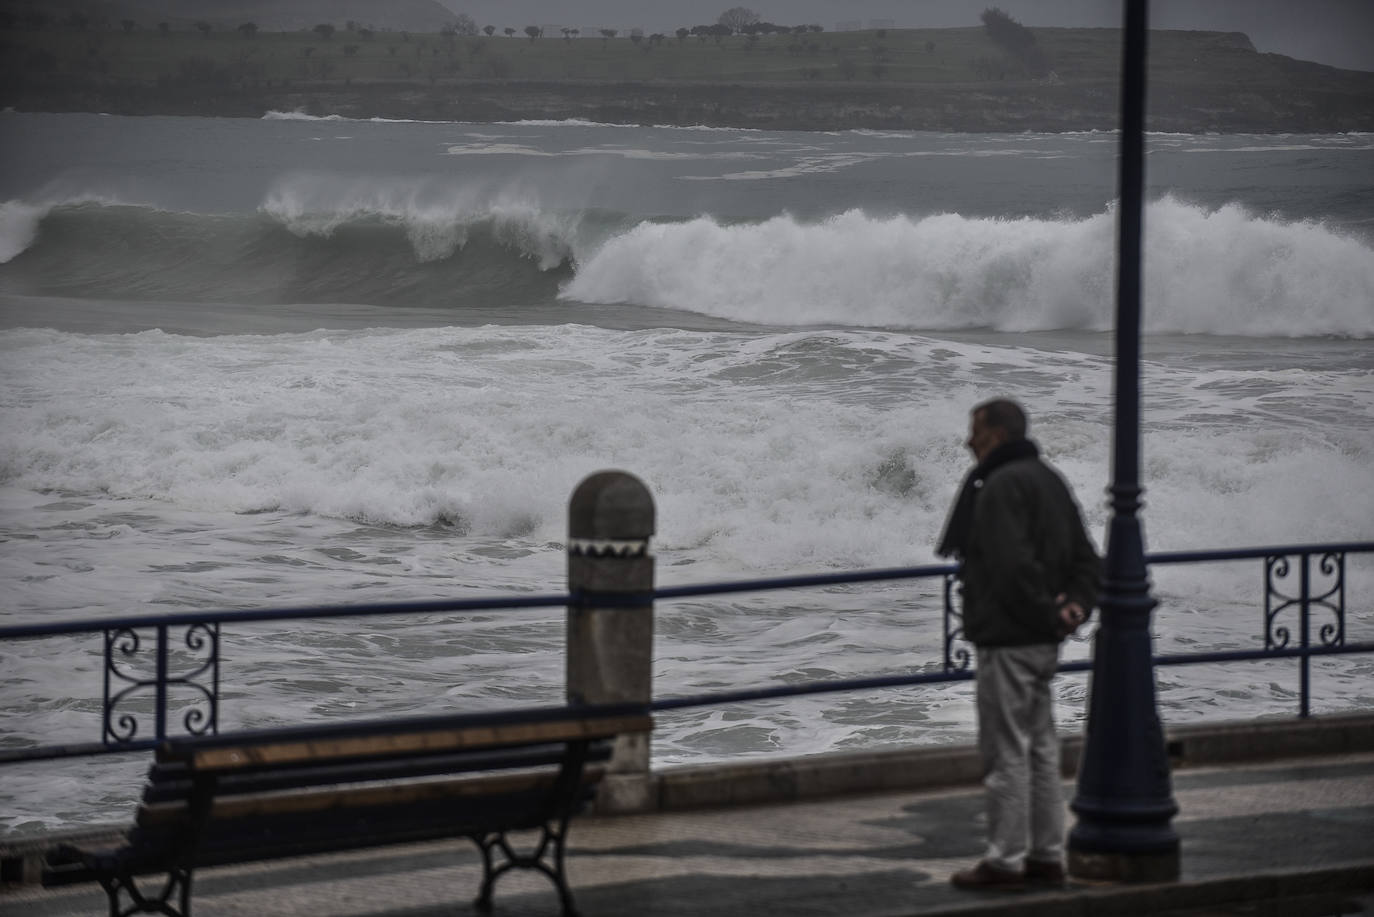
1007	452
954	540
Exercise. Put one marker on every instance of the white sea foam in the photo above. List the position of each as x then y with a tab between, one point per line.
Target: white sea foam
1224	271
662	155
706	128
564	122
489	430
20	219
18	226
298	115
807	165
438	218
496	149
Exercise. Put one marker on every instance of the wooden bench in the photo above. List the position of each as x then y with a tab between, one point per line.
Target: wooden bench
258	795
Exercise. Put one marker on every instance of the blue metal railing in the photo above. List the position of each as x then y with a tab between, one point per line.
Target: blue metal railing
1319	590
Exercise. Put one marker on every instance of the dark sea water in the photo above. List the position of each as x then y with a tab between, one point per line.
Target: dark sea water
290	361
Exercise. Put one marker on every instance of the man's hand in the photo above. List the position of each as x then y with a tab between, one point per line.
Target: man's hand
1071	615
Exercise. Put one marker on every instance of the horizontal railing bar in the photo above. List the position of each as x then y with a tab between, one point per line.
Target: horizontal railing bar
505	603
811	687
1291	652
927	678
806	581
72	750
55	628
1185	557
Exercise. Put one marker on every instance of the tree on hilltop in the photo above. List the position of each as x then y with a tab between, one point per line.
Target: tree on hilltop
324	30
533	31
1015	39
737	17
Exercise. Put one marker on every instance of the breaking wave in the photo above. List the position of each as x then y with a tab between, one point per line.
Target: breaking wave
1222	271
307	242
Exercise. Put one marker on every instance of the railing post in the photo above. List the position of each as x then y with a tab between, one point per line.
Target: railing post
1305	615
610	632
161	688
106	733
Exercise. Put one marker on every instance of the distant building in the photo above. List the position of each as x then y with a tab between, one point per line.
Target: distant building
851	25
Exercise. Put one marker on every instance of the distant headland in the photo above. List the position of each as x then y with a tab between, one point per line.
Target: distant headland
966	79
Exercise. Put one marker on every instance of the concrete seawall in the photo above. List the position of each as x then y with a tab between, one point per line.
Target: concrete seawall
815	776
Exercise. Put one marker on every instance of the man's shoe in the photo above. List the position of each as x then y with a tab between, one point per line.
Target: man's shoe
986	876
1045	872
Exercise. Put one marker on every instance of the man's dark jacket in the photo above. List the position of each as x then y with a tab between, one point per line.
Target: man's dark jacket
1019	534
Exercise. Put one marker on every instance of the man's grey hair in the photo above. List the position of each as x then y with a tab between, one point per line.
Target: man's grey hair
1005	415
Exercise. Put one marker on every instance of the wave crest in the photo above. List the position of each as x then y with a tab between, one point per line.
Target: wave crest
437	220
1223	271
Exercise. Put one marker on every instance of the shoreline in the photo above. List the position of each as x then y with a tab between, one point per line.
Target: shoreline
818	106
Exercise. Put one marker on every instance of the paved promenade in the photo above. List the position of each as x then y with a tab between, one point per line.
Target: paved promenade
1288	838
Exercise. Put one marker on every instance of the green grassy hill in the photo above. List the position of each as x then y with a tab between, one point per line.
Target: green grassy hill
939	78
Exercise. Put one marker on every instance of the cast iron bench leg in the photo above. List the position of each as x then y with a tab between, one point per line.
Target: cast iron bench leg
178	882
487	842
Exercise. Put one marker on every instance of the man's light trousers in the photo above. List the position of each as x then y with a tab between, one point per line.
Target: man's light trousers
1020	752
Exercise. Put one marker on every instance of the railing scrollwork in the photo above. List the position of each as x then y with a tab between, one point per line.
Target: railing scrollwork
141	682
1326	595
957	655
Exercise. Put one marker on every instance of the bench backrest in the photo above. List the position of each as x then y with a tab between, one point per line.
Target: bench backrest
247	795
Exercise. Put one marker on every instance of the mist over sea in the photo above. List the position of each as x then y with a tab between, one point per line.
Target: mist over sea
292	361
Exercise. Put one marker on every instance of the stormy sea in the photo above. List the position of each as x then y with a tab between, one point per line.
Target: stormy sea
293	361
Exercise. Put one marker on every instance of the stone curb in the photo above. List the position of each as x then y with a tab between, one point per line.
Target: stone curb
818	776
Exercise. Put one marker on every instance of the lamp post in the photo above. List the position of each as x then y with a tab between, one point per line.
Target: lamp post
1124	802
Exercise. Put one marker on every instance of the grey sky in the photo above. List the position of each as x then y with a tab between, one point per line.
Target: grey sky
1336	32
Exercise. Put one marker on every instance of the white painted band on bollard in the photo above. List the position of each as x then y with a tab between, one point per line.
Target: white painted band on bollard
609	547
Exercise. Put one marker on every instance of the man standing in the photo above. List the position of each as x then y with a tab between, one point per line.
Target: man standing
1030	578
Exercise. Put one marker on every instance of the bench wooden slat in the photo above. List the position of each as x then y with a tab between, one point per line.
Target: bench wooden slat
251	805
173	783
431	741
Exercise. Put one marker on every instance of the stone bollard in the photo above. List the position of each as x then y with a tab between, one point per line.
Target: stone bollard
610	644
